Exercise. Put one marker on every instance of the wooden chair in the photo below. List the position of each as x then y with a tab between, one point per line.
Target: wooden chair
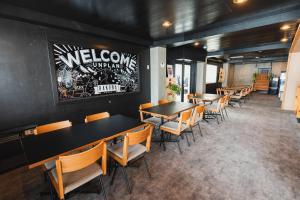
178	128
98	116
131	150
237	98
190	98
156	121
52	127
75	170
197	117
49	128
163	101
216	111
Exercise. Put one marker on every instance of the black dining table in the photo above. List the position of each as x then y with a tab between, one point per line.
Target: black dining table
40	149
166	111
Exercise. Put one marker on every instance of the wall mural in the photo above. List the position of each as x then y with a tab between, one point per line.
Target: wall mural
84	72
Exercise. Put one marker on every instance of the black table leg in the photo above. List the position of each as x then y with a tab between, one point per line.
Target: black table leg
162	137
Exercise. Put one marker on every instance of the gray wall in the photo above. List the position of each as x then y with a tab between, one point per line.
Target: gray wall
27	93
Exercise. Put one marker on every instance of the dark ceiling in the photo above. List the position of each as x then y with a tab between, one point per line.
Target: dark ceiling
144	18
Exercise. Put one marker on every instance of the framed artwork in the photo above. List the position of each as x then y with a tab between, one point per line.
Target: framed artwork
87	72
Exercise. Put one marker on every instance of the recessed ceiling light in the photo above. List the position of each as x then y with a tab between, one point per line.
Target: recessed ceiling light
285	27
196	43
239	1
204	47
166	24
257	57
284	39
235	57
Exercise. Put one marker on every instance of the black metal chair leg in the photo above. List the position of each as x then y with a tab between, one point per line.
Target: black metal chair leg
126	179
226	113
114	174
147	167
102	187
50	186
179	145
217	119
193	134
187	139
200	129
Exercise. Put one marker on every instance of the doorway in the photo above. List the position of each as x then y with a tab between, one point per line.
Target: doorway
183	79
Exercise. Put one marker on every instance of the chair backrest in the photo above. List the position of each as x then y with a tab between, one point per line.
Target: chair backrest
220	103
227	99
144	106
197	114
76	162
185	117
98	116
190	97
52	127
138	137
163	101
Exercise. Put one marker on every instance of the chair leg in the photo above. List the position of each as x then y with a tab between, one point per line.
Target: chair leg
193	134
52	197
187	139
226	113
102	187
126	179
114	174
217	119
179	145
200	129
147	167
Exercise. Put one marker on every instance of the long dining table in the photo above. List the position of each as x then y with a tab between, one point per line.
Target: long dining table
39	149
166	111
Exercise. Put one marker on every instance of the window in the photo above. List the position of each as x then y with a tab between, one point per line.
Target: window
211	73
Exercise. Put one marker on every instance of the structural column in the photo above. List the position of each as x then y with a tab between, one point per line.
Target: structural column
158	73
201	77
226	74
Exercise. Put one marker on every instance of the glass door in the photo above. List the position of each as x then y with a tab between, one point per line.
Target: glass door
183	79
178	77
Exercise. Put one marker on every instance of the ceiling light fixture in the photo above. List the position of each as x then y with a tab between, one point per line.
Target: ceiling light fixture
204	47
235	57
285	27
196	44
285	39
239	1
166	24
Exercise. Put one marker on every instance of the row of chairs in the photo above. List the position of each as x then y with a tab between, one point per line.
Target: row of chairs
173	125
71	171
211	109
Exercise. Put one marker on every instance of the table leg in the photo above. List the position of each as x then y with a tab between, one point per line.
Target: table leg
162	138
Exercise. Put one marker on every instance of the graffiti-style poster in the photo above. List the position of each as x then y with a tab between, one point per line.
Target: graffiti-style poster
84	72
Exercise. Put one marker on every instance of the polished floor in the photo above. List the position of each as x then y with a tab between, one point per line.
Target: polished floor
253	155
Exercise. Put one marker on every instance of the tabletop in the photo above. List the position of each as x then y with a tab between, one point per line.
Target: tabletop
39	149
207	97
169	109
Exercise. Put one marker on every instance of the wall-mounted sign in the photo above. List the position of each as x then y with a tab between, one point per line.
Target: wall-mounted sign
85	72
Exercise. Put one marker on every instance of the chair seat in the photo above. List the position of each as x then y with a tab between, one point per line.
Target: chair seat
75	179
153	120
133	151
173	125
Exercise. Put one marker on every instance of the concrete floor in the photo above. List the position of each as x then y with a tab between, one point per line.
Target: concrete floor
253	155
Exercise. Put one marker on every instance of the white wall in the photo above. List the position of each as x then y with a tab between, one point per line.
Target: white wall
243	72
292	81
158	73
